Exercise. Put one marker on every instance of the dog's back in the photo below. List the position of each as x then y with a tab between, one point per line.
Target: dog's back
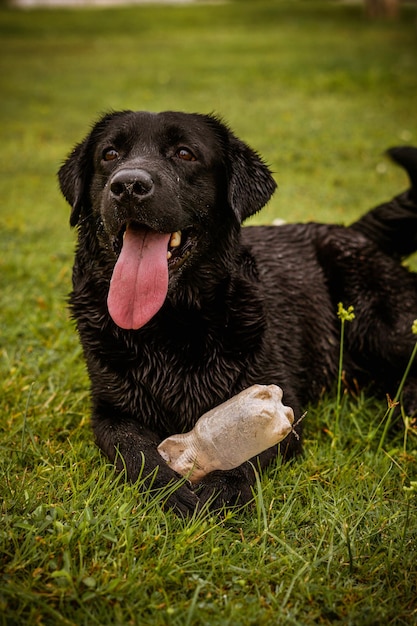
305	270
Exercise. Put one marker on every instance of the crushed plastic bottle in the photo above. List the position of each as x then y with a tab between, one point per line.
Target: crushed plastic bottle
231	433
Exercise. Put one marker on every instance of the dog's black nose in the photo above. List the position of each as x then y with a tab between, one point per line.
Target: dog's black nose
131	183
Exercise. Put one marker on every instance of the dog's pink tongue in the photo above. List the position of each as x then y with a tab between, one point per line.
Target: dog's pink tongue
139	283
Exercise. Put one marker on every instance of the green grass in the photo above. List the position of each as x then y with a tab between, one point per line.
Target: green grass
321	92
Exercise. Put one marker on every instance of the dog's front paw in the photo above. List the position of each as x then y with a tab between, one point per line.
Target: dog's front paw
183	501
173	491
226	489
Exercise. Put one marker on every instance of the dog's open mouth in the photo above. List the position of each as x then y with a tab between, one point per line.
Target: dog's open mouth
139	283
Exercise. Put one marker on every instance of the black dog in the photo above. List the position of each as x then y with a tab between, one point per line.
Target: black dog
178	308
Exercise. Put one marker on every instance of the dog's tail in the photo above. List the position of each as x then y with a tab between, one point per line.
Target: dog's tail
393	225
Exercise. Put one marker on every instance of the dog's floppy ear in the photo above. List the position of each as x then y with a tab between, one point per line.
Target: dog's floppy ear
74	177
250	184
75	174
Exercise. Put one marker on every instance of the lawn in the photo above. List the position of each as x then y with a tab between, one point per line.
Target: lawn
321	92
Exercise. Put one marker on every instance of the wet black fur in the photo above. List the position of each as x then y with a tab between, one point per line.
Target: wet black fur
252	305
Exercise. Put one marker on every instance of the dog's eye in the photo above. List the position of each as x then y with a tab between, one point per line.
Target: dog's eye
185	154
110	154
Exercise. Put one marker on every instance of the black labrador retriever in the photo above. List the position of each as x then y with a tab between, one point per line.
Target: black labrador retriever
179	308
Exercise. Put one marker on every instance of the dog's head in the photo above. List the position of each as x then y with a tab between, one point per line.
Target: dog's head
161	189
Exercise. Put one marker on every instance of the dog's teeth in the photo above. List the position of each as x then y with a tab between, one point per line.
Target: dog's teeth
169	255
175	240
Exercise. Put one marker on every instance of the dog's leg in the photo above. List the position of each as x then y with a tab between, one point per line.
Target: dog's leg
392	226
379	341
133	449
227	489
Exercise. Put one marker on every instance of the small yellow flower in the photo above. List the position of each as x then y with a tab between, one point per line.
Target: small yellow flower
346	315
414	327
